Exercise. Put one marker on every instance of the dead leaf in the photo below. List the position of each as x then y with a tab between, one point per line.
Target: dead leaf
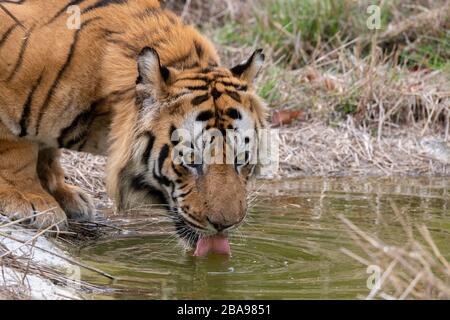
285	117
312	75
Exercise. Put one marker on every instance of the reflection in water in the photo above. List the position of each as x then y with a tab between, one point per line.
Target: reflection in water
289	248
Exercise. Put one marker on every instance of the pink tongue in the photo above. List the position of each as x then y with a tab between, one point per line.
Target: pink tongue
217	244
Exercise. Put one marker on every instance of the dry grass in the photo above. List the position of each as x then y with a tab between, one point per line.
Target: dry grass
377	93
88	171
34	267
397	75
415	270
318	149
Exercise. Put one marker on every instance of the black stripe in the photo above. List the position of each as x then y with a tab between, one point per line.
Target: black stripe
233	113
7	34
198	88
195	219
68	131
185	194
60	74
195	78
233	95
200	99
164	153
10	14
27	108
148	149
205	116
103	3
60	12
140	183
171	135
21	55
110	33
80	138
178	173
81	123
165	73
198	49
240	87
161	179
13	1
216	94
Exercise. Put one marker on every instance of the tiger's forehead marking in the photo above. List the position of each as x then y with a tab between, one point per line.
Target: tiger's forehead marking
216	99
233	118
216	81
212	89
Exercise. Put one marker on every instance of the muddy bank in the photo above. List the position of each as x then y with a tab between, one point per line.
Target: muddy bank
34	266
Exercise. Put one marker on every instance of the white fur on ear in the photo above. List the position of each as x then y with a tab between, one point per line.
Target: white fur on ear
150	72
148	64
249	69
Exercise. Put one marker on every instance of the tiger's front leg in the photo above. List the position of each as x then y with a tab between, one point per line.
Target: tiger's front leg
21	194
74	201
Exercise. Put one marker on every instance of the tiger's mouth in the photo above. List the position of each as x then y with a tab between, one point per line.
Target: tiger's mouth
203	244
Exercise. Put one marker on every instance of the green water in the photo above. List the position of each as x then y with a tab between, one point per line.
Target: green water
288	249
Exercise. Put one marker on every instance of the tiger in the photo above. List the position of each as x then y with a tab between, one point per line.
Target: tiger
121	83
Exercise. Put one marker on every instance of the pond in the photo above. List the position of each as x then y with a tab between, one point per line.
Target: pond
290	247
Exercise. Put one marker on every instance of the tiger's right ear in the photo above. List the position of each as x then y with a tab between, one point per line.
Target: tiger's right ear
151	74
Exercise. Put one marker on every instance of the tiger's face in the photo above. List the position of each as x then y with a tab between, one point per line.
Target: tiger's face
197	145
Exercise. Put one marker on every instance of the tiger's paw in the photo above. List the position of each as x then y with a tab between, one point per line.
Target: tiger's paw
76	203
38	210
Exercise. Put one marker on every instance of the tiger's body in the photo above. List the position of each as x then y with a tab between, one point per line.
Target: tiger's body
52	74
82	89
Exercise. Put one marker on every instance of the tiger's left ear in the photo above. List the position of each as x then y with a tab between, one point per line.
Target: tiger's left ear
248	70
151	74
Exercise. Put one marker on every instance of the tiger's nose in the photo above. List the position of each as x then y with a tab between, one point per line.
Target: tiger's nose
219	226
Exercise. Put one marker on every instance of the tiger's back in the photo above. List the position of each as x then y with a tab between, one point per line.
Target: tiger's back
51	70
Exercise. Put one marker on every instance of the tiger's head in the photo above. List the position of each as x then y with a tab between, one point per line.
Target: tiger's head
194	146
